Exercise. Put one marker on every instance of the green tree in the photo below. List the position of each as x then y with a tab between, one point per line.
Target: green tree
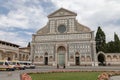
116	43
100	40
113	46
28	44
110	47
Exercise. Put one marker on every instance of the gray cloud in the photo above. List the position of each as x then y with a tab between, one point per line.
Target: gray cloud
104	13
32	15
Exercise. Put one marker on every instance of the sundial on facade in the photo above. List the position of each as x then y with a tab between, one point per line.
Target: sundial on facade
61	13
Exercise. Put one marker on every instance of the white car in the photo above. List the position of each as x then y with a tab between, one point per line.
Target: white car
17	65
28	64
4	65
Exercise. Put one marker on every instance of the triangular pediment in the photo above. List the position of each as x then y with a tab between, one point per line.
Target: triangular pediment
62	12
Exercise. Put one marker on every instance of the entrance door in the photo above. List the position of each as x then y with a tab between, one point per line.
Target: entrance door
46	60
77	61
9	59
101	60
61	56
61	59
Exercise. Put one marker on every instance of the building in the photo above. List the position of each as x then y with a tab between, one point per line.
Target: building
24	54
108	59
9	51
64	41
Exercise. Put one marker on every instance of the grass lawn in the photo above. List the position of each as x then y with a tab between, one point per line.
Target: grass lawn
66	76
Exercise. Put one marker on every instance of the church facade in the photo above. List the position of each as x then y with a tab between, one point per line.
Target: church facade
64	42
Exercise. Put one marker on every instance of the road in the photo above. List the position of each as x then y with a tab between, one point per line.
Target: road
15	75
9	75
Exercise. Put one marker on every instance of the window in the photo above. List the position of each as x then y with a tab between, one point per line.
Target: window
61	28
15	55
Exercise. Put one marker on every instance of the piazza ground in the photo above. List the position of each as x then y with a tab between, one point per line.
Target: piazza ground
4	75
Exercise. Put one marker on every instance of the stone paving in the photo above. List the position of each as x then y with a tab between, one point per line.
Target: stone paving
15	75
115	78
8	75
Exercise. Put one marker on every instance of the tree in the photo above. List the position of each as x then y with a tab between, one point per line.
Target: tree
116	43
116	38
110	47
113	46
100	40
28	44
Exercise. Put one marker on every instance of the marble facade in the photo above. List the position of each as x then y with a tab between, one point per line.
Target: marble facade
63	41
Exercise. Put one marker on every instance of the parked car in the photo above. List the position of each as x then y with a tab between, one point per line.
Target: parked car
28	64
4	65
17	65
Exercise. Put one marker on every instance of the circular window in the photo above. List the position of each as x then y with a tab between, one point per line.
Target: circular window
61	28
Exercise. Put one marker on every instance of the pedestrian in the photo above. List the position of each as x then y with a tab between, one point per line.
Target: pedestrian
57	66
64	66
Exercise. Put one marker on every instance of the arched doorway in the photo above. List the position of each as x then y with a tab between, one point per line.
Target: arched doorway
101	59
27	58
115	59
61	55
9	55
9	59
23	57
36	58
77	58
46	59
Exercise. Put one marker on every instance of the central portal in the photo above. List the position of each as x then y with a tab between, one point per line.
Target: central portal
61	55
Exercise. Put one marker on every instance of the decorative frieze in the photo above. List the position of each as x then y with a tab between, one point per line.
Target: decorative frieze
60	37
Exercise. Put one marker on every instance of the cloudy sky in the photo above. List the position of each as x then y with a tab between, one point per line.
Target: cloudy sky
19	19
